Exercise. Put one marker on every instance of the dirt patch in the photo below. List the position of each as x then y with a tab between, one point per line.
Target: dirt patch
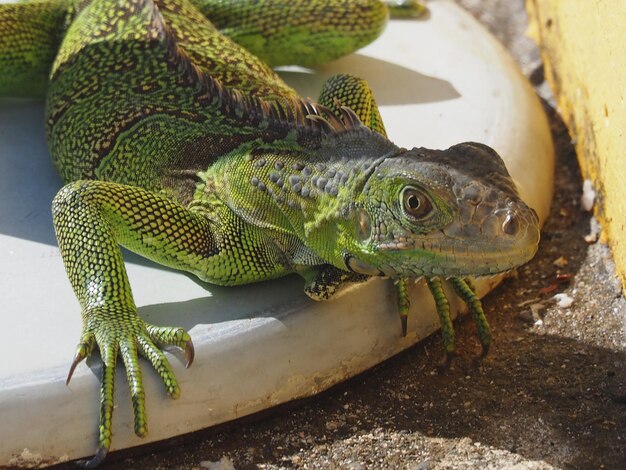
552	392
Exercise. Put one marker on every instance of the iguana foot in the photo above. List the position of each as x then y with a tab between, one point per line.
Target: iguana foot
84	349
466	290
323	282
120	331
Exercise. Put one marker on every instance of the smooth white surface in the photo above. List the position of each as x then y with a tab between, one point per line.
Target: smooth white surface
438	82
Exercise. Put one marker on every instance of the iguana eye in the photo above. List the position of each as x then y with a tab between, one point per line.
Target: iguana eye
415	204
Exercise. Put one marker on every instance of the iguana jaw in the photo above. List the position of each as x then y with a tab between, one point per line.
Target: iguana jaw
453	260
450	259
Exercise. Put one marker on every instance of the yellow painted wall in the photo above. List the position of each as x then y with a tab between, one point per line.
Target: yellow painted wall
583	45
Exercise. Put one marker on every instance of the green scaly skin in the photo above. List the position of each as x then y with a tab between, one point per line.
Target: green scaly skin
182	146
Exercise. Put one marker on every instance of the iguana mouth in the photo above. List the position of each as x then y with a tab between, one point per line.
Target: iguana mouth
483	263
456	260
447	251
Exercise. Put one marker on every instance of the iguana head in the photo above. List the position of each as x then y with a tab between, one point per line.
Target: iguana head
454	212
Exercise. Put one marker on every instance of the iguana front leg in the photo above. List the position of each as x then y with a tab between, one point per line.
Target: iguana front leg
91	219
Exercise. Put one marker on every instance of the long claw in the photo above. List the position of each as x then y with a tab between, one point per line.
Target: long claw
84	349
77	360
95	460
404	319
189	353
478	358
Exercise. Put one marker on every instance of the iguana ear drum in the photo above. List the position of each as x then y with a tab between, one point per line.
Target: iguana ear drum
364	226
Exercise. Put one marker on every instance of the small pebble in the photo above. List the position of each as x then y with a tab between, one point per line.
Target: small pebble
563	300
588	197
223	464
591	237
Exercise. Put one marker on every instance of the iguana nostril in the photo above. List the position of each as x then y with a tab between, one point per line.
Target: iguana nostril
510	225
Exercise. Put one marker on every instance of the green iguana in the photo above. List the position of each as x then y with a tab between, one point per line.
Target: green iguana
179	144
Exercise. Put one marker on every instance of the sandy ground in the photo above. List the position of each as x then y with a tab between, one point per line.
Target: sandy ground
552	392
